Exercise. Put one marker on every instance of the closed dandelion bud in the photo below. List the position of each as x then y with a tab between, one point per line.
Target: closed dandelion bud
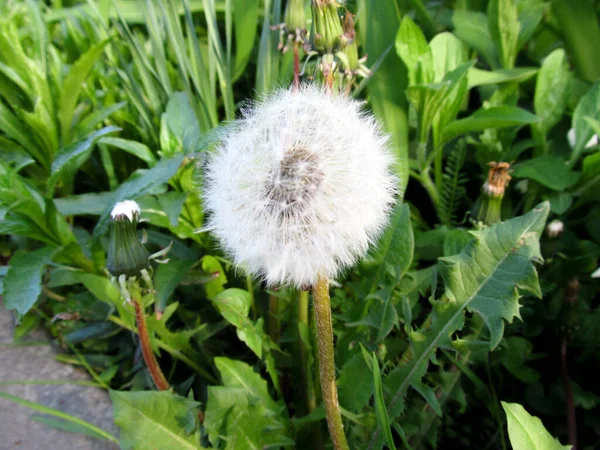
295	15
555	228
327	35
300	186
487	208
126	254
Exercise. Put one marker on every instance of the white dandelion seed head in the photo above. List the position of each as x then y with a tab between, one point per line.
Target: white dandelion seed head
555	228
126	208
300	186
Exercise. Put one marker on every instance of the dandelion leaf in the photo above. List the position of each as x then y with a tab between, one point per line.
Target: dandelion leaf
485	279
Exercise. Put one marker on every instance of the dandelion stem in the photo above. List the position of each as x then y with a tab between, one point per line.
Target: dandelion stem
151	363
322	306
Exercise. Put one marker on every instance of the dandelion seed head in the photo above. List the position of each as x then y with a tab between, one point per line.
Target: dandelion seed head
301	185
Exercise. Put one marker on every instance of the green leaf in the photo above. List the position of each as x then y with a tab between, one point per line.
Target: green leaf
355	384
181	120
80	425
552	90
394	252
448	53
167	277
69	159
551	171
485	279
93	204
503	22
472	28
172	203
479	77
380	412
494	117
377	27
131	147
72	85
136	187
412	48
589	184
527	432
23	281
245	19
211	265
588	106
241	412
156	420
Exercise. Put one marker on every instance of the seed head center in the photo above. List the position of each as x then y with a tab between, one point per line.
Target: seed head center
294	182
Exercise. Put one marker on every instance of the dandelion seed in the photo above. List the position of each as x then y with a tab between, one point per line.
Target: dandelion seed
300	186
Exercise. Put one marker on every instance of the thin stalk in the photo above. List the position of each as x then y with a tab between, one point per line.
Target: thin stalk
273	318
496	412
167	348
151	363
250	289
322	306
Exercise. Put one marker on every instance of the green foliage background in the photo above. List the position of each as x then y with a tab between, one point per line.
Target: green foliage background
102	101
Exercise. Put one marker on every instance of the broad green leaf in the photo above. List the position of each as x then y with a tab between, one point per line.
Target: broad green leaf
181	120
479	77
552	90
167	277
100	287
530	15
472	28
551	171
157	420
72	85
131	147
527	432
503	20
87	125
242	413
386	87
485	279
69	159
448	53
355	384
588	106
412	48
93	204
136	187
172	203
23	281
560	202
494	117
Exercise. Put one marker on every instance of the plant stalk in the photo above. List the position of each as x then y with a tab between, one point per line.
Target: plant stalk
311	398
322	306
151	363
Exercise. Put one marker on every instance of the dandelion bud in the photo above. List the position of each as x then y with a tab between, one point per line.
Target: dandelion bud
126	254
488	206
300	186
295	17
327	34
555	228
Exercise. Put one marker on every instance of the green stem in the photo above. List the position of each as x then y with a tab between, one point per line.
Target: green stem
311	398
250	289
322	306
429	186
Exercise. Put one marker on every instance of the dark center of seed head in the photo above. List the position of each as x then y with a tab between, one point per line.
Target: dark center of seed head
294	182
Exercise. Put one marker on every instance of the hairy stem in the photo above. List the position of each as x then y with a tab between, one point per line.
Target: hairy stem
151	363
322	306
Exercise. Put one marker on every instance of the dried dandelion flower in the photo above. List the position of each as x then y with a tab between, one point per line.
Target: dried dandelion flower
300	186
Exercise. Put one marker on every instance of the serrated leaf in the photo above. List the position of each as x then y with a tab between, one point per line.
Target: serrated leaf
527	432
154	420
23	281
485	278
